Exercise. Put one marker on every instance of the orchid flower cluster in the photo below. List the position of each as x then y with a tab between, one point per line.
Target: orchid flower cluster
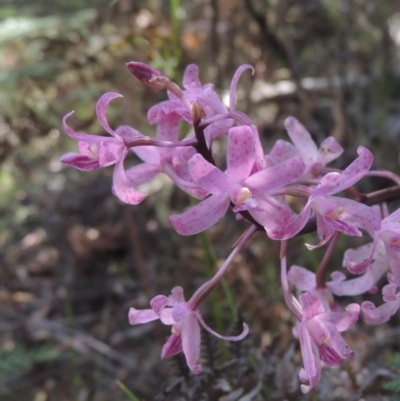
261	188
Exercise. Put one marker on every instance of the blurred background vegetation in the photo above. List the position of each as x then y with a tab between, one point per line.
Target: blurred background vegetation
73	259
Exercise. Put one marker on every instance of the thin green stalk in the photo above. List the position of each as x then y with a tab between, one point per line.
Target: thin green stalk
174	8
209	249
209	259
126	391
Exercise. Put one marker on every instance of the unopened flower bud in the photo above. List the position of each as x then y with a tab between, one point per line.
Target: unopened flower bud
197	112
147	75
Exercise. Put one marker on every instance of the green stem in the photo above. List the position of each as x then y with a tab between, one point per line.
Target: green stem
126	391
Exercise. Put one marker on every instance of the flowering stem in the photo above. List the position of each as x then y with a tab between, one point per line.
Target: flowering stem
323	267
201	146
207	287
290	300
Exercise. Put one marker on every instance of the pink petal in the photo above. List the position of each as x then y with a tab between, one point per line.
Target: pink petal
381	314
168	127
156	112
270	213
181	311
312	365
191	79
331	345
240	153
280	152
210	102
359	285
389	292
202	216
208	176
110	151
275	177
136	316
191	342
176	296
78	136
361	215
311	304
393	218
346	214
158	303
259	162
172	347
357	260
325	230
302	140
234	84
342	320
141	174
101	109
301	278
333	183
122	188
329	150
292	228
227	338
79	161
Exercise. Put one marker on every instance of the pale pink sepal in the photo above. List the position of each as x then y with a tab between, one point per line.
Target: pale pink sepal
101	109
329	150
234	83
202	216
312	365
302	140
357	260
173	346
191	341
240	153
209	177
380	314
302	278
122	188
136	316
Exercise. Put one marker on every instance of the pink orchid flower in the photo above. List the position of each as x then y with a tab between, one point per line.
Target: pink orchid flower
247	191
320	339
184	318
315	159
194	91
385	249
205	96
100	151
169	160
319	326
334	213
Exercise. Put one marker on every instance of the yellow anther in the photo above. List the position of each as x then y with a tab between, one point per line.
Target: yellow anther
173	330
325	341
243	195
95	150
336	214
